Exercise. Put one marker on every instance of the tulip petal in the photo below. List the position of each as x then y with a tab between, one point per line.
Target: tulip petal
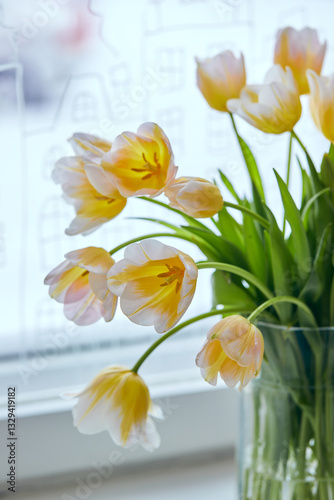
87	143
156	284
60	284
232	374
142	163
273	107
94	420
60	269
100	181
221	78
210	359
66	168
300	51
98	284
94	259
86	311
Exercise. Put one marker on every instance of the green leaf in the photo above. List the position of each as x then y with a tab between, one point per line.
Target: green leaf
331	152
226	292
228	252
269	263
157	221
331	303
282	268
258	205
317	184
230	228
208	250
310	202
229	186
191	220
252	167
327	170
254	249
298	234
307	190
314	287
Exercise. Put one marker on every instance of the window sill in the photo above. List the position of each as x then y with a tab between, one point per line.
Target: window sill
214	476
200	420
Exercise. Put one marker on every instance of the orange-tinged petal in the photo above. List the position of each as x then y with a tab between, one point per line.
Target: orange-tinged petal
241	340
234	348
300	50
232	374
221	78
194	196
210	360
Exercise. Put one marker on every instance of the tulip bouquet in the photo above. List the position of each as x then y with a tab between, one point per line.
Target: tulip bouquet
272	287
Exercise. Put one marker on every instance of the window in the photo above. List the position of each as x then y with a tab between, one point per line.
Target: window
172	66
73	79
84	107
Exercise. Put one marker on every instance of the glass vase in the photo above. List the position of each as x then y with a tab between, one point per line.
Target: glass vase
286	449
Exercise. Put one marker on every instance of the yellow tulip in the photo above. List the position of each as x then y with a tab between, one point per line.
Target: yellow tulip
142	163
234	348
273	107
95	198
118	400
80	284
221	78
89	145
322	103
155	283
300	50
194	196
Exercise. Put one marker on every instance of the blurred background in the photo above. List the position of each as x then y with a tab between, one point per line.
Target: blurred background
104	67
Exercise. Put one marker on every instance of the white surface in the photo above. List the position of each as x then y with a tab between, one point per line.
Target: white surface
215	480
49	447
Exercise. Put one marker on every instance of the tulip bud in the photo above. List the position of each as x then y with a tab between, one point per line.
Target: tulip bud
322	103
300	50
221	78
234	348
273	107
194	196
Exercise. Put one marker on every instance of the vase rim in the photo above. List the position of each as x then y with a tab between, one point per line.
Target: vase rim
294	328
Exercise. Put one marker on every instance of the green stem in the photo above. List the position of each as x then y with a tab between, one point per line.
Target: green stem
288	174
289	160
312	200
247	276
319	424
295	136
249	212
164	337
145	237
309	159
249	161
303	444
282	298
188	218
